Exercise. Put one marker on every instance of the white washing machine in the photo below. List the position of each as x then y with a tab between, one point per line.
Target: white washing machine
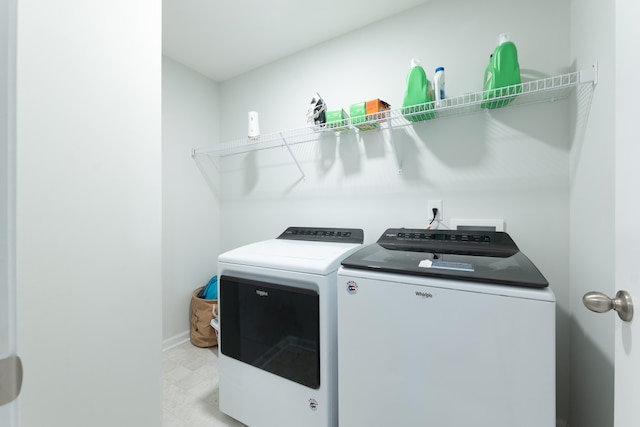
278	332
446	329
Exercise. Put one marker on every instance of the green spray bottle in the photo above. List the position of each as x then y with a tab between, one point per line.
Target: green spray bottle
502	75
419	94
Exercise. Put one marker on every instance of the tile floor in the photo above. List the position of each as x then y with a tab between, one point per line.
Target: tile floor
190	388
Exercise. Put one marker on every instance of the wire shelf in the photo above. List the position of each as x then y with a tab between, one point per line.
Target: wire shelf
543	90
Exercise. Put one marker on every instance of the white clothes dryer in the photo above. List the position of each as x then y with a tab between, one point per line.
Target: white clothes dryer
278	332
447	329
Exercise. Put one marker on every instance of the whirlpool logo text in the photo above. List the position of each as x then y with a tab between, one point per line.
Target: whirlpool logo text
424	294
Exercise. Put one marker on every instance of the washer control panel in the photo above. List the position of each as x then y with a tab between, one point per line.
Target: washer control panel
479	243
452	237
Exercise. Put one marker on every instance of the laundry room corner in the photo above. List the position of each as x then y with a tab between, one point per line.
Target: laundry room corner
190	204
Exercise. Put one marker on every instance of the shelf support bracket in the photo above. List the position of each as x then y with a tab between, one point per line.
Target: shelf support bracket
590	75
286	144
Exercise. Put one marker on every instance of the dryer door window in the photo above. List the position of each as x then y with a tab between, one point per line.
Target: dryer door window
272	327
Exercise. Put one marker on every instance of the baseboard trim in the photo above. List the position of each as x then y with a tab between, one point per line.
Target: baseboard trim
175	340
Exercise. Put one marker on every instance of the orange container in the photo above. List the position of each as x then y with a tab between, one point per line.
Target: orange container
375	106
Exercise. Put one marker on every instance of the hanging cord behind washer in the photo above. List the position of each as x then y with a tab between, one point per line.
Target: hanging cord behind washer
435	215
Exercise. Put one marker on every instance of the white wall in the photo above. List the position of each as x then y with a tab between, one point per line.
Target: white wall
511	164
592	229
89	212
190	208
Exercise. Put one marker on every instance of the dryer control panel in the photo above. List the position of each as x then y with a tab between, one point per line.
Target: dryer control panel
319	234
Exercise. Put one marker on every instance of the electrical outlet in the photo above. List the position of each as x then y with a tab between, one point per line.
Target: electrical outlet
434	204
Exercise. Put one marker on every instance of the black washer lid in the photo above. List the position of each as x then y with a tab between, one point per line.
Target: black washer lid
479	256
